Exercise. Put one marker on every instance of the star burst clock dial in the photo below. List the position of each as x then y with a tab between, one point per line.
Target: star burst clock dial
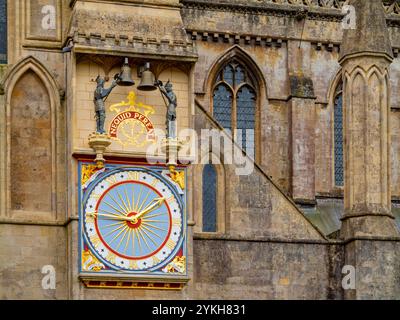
133	220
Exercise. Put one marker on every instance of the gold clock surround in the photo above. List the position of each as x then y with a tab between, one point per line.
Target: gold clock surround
119	210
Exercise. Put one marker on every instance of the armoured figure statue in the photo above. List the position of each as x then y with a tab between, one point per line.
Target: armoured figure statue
100	96
172	105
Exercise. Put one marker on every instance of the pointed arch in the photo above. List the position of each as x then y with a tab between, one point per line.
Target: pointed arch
338	137
43	101
222	110
238	108
245	58
335	103
334	83
14	73
209	177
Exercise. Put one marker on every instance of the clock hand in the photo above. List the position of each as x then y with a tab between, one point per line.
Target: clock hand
156	203
95	215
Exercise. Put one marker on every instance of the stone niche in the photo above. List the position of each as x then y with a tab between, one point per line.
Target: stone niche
131	137
31	146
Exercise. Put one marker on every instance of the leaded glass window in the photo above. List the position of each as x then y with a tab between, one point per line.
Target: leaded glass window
338	137
246	106
3	31
209	198
229	74
235	102
223	105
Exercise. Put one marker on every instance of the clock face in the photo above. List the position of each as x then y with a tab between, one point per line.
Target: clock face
133	220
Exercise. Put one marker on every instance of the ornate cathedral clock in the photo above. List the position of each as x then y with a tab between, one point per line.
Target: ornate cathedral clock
133	226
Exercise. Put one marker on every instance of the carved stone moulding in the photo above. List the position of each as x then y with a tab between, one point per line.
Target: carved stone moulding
161	3
325	10
109	62
152	28
316	9
166	49
149	283
133	285
170	147
328	46
236	38
99	143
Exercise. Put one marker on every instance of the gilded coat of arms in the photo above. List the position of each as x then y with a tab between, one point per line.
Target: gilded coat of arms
131	125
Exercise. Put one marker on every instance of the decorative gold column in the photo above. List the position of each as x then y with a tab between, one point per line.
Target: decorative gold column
365	58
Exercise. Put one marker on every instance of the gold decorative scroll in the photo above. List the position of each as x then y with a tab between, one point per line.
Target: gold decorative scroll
178	177
88	171
90	262
131	125
176	266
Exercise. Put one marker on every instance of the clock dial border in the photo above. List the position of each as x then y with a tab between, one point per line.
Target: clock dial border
180	248
154	252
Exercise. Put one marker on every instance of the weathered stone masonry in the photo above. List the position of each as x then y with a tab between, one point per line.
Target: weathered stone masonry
286	230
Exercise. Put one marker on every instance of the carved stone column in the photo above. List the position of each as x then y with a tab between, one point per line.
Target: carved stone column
302	114
302	124
365	58
372	240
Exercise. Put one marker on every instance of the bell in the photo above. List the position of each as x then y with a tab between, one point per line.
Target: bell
148	80
125	77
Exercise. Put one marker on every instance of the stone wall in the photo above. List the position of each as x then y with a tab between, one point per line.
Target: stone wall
31	139
273	44
254	205
25	250
378	277
266	246
234	269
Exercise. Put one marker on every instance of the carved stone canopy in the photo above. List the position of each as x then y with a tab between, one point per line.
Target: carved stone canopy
109	62
371	34
132	28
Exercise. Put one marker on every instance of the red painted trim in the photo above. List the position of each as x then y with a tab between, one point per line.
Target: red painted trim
126	161
130	115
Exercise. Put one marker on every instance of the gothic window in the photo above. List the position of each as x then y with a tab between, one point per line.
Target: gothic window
209	198
223	105
234	103
3	31
246	99
338	137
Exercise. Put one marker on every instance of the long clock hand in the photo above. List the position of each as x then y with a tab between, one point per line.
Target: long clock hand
156	203
95	215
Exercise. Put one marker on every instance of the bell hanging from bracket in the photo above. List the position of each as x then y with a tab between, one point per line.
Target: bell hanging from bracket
124	78
148	82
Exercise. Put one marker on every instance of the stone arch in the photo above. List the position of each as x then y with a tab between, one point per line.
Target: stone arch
32	102
221	216
259	85
334	83
14	73
245	58
332	94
